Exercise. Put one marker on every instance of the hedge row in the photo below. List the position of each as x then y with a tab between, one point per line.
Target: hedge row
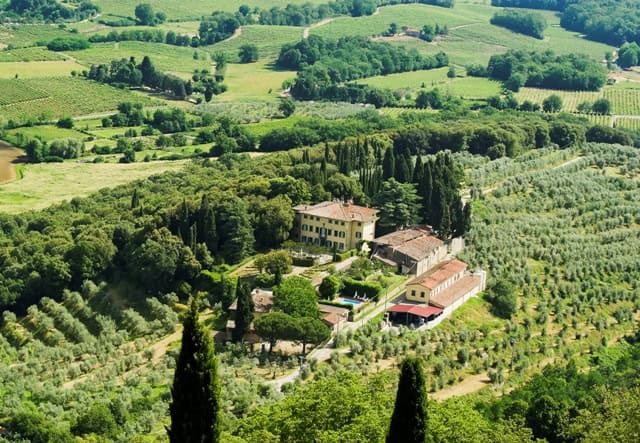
342	256
351	286
303	261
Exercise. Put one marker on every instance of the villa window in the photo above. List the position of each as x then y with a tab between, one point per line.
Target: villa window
413	293
422	294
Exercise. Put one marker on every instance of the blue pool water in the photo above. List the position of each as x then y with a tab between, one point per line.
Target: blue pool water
350	301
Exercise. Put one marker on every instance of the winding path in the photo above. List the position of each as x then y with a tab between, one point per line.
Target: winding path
305	33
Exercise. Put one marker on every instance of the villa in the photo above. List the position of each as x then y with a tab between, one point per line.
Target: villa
339	225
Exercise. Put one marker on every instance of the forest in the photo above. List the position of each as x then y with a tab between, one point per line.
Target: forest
324	65
572	72
50	11
523	22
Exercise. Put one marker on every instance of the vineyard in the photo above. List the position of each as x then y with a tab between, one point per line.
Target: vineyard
570	99
624	101
57	97
627	123
16	91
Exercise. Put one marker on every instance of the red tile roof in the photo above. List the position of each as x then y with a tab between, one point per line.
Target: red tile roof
339	211
439	274
419	310
455	291
416	243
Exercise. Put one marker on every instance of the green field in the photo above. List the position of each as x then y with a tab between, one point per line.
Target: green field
253	81
164	57
55	97
189	9
47	183
17	35
44	133
268	39
38	69
35	53
466	87
471	39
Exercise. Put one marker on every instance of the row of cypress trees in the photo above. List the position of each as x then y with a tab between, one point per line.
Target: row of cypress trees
196	407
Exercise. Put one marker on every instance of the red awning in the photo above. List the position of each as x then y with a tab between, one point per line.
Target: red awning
419	310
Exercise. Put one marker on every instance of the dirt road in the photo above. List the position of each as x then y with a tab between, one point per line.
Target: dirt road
9	155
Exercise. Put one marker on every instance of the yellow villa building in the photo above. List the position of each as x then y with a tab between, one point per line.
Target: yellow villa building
340	225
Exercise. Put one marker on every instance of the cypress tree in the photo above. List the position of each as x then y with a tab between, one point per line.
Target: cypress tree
409	419
135	199
244	312
418	171
323	170
403	171
195	407
389	165
425	190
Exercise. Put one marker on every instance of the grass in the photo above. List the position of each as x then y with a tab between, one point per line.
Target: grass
253	81
36	53
51	98
45	133
466	87
472	39
19	36
412	15
49	183
38	69
268	39
261	128
164	57
189	9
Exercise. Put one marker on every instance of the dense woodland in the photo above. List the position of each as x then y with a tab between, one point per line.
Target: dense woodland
610	21
48	10
523	22
572	72
324	65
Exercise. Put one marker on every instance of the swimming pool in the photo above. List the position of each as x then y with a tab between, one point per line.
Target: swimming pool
350	301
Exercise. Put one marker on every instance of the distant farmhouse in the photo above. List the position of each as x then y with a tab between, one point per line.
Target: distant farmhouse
339	225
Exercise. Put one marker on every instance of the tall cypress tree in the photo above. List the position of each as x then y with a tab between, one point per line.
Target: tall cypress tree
389	165
403	171
418	171
409	419
195	406
244	312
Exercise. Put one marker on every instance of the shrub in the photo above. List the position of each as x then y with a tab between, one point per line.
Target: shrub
370	290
